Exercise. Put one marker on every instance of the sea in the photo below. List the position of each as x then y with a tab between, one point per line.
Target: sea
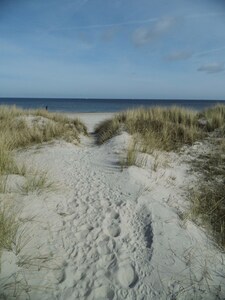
102	105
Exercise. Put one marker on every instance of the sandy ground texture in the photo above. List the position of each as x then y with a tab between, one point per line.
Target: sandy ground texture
91	119
101	232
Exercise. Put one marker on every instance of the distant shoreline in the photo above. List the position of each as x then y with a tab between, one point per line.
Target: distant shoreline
108	99
102	105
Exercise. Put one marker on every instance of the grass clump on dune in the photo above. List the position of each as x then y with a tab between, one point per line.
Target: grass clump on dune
22	128
8	229
163	128
36	183
208	199
214	116
169	129
157	128
19	129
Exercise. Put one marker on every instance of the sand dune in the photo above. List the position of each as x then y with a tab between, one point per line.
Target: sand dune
107	233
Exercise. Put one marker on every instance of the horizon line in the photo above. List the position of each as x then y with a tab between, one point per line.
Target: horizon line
98	98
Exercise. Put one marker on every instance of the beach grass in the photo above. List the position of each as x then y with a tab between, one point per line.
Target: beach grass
156	128
23	128
36	182
20	129
214	116
208	198
8	228
169	129
161	128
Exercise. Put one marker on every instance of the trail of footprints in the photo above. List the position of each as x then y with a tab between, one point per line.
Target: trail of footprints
103	242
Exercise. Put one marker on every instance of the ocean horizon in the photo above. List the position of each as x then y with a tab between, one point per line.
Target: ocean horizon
94	105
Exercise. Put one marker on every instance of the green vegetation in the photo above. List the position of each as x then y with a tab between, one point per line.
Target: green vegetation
208	199
163	128
215	117
168	129
36	183
22	128
19	129
8	229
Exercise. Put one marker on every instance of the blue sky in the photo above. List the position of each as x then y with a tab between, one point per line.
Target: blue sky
112	48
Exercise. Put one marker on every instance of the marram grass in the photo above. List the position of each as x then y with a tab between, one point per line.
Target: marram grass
19	129
8	228
157	128
163	128
208	198
22	128
169	129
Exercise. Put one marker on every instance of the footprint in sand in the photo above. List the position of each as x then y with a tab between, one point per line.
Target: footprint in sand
114	230
127	276
103	293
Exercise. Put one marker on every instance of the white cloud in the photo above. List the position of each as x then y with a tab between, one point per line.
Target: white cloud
109	34
179	55
142	36
202	53
212	68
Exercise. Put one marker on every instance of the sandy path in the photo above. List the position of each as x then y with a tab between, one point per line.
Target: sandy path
91	119
102	217
103	235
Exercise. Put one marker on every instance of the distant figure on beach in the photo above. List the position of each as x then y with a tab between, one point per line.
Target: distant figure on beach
46	107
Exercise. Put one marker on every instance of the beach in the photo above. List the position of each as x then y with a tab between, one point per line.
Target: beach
101	231
91	119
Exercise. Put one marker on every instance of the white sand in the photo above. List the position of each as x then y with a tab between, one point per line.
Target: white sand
91	119
106	233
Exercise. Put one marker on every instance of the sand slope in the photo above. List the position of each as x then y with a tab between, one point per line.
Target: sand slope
103	233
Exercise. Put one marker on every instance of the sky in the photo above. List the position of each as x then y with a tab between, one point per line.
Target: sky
146	49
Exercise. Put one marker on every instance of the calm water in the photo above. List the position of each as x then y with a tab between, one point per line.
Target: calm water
101	105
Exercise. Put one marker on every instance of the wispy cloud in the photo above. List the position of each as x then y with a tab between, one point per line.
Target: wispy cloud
142	36
160	22
179	55
96	26
202	53
204	15
109	34
210	68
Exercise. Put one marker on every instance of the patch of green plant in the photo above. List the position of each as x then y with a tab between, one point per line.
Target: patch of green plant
8	228
208	198
158	128
161	128
36	183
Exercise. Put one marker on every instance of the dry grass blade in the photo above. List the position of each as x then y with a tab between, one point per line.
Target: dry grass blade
208	199
36	183
8	228
158	128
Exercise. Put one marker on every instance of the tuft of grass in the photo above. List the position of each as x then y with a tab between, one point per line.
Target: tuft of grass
214	116
36	183
7	164
8	229
157	128
3	181
208	205
22	128
107	129
208	198
133	155
163	128
169	129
